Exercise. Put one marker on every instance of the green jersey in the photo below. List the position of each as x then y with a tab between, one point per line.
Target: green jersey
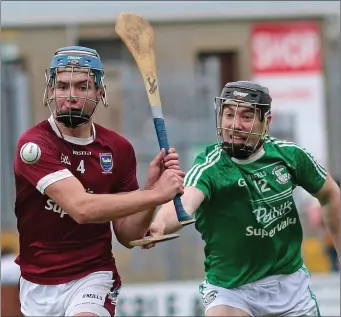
248	219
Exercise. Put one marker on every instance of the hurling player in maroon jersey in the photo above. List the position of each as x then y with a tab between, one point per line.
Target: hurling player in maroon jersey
73	178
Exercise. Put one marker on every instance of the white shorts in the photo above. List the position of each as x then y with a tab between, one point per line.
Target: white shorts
95	293
278	295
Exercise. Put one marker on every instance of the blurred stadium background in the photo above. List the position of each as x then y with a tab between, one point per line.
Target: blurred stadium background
293	47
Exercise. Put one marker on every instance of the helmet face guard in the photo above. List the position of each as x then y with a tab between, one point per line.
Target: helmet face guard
242	94
74	59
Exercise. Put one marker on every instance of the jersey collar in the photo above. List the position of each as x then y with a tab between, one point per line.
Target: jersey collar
72	139
251	159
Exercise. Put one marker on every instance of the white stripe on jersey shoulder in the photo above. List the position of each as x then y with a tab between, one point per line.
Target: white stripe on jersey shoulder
52	178
211	163
197	168
71	139
282	143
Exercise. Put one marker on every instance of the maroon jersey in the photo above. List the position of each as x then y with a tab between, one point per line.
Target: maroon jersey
54	248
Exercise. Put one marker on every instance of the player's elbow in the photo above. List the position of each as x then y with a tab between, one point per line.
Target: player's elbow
125	243
81	218
79	215
125	233
83	211
125	239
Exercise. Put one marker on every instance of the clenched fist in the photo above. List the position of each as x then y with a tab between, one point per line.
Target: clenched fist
169	185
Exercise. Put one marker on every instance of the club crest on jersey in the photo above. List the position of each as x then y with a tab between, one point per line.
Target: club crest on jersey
282	176
106	162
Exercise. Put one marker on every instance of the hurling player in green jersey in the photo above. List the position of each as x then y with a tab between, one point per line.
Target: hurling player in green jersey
240	192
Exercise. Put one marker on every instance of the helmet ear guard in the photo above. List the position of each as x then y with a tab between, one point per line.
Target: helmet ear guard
75	59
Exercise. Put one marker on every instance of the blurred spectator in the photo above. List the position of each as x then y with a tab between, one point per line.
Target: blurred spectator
10	272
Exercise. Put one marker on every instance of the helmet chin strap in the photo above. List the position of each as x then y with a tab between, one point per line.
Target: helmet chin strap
72	119
240	151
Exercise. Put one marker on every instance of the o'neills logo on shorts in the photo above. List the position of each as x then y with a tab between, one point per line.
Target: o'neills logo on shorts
94	296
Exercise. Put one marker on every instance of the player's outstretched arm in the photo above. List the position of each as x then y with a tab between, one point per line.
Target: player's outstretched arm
166	221
83	207
329	197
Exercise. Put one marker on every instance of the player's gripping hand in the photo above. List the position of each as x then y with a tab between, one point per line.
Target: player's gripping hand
156	229
171	160
169	185
161	162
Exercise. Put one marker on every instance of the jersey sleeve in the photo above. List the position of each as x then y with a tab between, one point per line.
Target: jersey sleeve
47	170
129	180
198	175
310	174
